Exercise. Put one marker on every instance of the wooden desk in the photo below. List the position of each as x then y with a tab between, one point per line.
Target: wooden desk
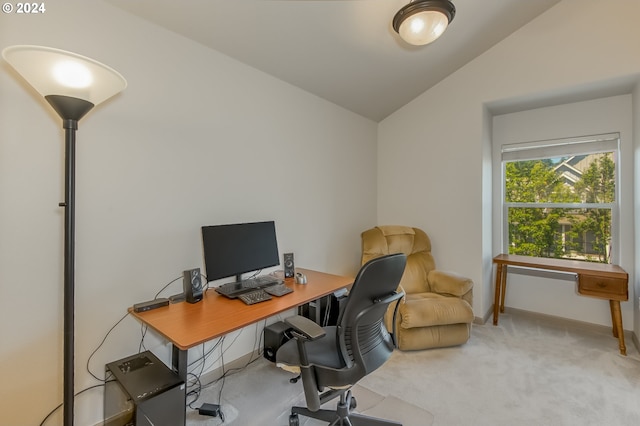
599	280
187	325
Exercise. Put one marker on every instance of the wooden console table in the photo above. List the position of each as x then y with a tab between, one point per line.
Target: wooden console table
601	280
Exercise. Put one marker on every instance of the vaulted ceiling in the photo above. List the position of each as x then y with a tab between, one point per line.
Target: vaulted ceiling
344	51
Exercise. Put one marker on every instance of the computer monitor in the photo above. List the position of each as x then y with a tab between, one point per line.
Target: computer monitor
231	250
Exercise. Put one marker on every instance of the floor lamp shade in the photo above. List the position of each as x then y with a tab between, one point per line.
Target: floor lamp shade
73	85
60	73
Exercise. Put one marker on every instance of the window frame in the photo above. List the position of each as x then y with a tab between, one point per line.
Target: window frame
554	148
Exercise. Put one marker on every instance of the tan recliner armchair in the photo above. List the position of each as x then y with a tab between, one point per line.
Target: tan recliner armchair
436	310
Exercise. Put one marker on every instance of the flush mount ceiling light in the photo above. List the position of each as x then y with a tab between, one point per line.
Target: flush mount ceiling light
423	21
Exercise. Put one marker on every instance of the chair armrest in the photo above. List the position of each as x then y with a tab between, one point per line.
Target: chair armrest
394	321
449	283
305	328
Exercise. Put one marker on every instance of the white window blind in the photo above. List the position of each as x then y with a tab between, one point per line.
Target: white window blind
560	147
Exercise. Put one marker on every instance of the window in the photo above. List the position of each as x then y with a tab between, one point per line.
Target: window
560	198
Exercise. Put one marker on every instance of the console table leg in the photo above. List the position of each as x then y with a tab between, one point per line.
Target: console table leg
503	292
614	326
618	331
496	301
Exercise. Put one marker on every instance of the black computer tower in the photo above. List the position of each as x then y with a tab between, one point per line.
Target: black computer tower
145	392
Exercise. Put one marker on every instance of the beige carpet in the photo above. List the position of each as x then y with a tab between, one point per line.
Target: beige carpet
527	371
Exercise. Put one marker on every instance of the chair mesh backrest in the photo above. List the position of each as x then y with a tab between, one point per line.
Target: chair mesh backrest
364	340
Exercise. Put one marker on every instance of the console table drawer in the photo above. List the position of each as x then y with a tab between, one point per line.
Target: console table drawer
603	287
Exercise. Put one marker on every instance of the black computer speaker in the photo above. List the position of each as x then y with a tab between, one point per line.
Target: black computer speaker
274	336
289	268
192	284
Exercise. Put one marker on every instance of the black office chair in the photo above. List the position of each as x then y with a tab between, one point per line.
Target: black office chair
337	357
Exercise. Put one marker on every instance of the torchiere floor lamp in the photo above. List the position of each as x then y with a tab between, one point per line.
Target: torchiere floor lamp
73	85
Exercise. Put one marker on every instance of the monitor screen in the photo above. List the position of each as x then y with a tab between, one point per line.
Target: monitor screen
231	250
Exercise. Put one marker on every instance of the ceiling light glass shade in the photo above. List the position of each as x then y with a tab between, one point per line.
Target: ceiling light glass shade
55	72
423	21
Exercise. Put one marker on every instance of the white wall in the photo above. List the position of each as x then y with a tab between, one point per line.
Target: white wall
434	167
634	280
196	139
554	295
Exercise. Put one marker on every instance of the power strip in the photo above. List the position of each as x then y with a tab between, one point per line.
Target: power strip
151	304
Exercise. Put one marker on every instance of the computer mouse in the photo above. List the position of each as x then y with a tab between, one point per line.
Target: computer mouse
301	278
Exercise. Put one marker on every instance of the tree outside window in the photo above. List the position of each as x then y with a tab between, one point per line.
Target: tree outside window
561	207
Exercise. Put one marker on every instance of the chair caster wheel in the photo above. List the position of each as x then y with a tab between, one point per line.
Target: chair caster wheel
353	404
293	420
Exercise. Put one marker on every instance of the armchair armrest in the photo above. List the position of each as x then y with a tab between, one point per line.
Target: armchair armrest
305	328
449	283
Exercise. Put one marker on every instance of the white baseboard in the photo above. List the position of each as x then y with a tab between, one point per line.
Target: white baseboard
237	363
634	339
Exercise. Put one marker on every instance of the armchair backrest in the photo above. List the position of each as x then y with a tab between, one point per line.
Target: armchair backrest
413	242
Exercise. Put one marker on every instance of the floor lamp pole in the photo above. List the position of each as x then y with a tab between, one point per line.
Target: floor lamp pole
70	110
70	127
72	84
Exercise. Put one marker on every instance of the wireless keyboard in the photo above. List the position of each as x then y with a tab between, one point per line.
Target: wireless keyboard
255	296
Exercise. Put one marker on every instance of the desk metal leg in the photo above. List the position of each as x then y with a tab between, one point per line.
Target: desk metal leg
179	364
316	305
618	331
496	301
318	312
327	310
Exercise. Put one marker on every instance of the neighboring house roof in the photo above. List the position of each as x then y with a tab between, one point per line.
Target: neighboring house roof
572	168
